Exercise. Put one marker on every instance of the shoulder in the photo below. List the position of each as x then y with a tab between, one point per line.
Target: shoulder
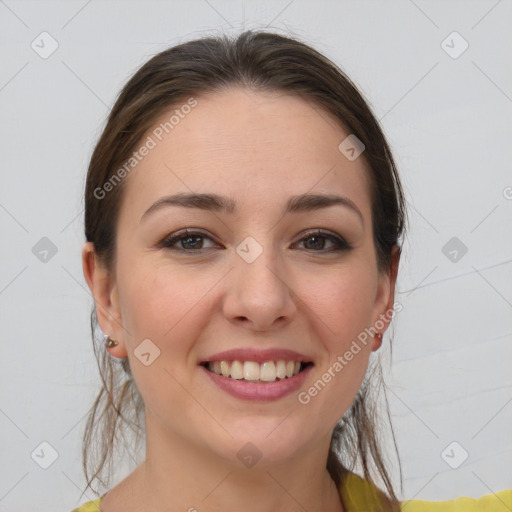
361	495
498	502
90	506
356	489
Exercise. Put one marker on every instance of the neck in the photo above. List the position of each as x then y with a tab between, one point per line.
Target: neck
177	475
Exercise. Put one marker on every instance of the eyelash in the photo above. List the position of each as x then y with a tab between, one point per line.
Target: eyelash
169	242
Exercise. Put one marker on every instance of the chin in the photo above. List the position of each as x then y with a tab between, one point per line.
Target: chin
262	443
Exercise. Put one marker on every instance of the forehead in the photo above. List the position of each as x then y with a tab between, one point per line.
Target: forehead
240	142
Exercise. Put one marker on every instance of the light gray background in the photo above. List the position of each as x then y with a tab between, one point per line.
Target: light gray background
448	121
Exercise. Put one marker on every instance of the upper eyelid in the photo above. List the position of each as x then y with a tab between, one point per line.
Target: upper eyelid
181	234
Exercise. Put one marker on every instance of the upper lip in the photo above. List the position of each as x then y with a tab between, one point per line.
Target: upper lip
258	355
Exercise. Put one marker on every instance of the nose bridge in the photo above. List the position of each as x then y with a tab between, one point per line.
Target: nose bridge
259	271
258	292
257	264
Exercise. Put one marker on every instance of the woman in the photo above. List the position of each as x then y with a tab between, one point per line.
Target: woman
243	224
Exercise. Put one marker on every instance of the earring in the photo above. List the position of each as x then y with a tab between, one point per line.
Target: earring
111	343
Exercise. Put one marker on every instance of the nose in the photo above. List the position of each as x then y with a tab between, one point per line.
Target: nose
258	295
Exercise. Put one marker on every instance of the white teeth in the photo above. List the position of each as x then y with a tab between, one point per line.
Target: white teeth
224	368
268	371
237	370
281	369
251	370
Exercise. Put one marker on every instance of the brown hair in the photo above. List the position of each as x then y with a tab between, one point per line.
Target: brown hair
261	61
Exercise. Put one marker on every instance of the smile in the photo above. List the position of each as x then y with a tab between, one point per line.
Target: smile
268	371
253	381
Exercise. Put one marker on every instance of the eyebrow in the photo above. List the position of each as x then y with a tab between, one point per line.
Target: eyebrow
214	202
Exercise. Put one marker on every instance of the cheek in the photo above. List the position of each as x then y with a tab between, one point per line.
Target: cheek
343	300
156	299
168	307
163	306
342	307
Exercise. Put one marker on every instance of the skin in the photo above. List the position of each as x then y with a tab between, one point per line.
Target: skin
259	149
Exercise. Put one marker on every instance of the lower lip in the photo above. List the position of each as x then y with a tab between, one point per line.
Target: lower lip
258	391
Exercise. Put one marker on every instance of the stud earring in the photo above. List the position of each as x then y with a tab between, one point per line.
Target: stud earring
111	343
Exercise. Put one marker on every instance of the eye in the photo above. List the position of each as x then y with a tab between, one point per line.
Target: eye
187	241
322	241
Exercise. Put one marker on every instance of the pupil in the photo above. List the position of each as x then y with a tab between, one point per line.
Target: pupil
192	241
317	242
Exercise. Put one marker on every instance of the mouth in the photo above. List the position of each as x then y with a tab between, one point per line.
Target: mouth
252	371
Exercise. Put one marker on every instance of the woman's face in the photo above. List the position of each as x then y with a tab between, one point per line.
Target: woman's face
278	266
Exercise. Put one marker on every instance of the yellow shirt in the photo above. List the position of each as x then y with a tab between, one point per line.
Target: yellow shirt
356	493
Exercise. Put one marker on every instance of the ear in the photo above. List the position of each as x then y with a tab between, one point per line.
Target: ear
103	287
385	298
